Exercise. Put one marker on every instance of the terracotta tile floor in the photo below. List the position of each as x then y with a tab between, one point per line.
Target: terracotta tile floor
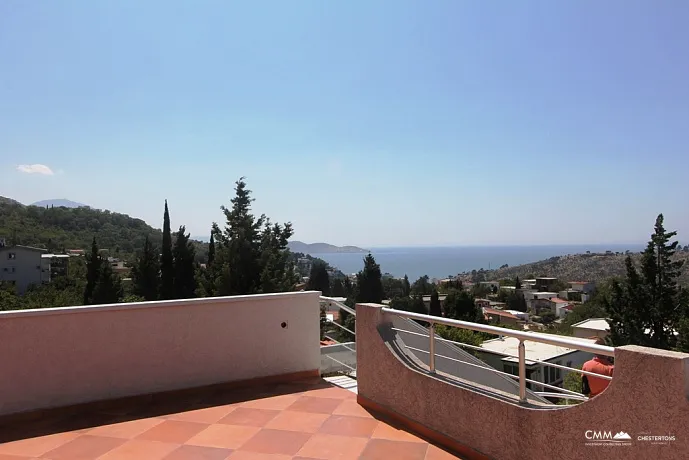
304	420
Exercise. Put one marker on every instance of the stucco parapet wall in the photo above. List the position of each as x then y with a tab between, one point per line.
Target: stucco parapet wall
649	396
57	357
155	304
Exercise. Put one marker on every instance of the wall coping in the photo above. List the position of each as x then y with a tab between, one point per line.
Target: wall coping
151	304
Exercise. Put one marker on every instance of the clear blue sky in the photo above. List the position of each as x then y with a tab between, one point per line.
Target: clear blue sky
374	123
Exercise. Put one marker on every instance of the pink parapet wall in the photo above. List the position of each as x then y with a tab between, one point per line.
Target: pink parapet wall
59	357
649	396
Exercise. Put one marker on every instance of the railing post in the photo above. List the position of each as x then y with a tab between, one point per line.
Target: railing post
431	347
522	371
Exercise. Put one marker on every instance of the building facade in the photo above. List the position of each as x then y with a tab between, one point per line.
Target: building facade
22	266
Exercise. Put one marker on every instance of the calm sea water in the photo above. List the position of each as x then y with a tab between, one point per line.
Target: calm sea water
439	262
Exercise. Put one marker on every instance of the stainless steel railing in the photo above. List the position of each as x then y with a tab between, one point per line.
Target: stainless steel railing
522	336
347	351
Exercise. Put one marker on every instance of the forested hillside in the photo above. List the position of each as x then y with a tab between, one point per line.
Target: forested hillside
58	228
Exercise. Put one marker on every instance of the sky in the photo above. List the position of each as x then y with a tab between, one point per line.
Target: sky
363	122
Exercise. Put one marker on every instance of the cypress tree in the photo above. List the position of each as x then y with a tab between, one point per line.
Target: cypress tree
183	263
211	251
318	278
517	283
406	287
370	282
435	309
146	272
93	269
167	269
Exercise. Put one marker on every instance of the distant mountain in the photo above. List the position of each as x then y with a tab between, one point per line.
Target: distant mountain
62	202
322	248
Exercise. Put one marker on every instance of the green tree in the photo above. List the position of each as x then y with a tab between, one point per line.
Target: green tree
369	282
146	273
251	254
517	283
93	270
435	309
109	286
406	287
211	251
460	305
319	279
277	272
337	288
649	299
412	304
480	291
422	286
516	301
167	267
348	288
393	287
240	241
184	267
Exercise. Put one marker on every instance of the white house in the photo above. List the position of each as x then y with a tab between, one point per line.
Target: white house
592	327
495	350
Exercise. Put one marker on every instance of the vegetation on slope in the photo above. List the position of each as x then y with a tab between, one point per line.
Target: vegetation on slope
59	228
581	267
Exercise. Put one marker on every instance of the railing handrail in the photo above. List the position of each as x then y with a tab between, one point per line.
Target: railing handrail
532	336
339	304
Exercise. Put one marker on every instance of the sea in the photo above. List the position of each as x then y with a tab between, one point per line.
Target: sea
441	262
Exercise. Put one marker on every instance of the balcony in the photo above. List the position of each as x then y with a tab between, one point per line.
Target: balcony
224	378
239	378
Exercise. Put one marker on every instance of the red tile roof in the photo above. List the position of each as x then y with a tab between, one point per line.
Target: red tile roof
557	300
504	314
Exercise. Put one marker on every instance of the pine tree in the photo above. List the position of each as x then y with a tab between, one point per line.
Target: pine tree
251	254
646	307
146	272
93	269
369	282
406	287
318	278
435	309
109	286
184	267
277	272
167	269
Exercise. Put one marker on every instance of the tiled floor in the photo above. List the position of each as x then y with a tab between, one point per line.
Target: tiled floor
306	420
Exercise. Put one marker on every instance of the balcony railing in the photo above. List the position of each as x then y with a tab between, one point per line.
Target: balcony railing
521	357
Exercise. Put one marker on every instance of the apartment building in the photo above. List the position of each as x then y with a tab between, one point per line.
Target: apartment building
22	266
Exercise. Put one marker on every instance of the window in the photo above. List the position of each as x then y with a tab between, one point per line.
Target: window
11	256
553	374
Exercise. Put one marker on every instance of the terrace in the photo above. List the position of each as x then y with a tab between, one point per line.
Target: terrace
240	378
